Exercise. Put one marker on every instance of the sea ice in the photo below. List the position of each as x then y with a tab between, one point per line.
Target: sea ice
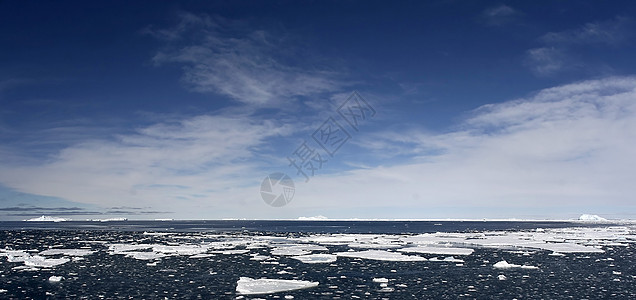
55	278
381	255
316	258
69	252
438	250
249	286
42	262
380	280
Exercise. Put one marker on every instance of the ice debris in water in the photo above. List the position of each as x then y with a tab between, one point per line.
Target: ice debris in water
505	265
250	286
55	278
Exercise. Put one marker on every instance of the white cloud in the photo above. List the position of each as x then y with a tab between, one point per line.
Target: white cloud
557	54
546	60
247	65
191	161
610	32
569	146
499	15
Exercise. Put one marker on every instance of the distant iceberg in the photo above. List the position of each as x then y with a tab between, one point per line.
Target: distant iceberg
315	218
47	219
591	218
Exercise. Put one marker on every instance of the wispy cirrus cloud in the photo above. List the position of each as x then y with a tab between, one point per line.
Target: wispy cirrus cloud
558	53
252	66
499	15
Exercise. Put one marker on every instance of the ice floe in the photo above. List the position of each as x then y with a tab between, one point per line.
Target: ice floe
68	252
316	258
250	286
55	278
381	255
438	250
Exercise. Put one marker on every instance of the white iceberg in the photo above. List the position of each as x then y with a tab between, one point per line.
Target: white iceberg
55	278
47	219
591	218
249	286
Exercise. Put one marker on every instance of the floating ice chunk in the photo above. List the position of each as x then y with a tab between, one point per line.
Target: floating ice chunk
505	265
438	250
294	250
448	259
249	286
556	254
316	258
3	291
143	255
202	255
42	262
232	252
375	245
502	277
125	248
55	278
179	249
380	280
258	257
69	252
381	255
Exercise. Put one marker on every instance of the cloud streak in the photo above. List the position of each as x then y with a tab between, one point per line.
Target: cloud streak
247	65
557	54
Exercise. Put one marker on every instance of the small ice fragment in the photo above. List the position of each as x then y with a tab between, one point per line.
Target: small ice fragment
55	278
380	280
249	286
502	277
505	265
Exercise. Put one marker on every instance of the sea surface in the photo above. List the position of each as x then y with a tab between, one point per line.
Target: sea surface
363	259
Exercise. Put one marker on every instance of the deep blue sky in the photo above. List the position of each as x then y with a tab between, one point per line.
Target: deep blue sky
179	109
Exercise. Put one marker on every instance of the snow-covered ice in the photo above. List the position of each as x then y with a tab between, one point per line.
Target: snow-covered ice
55	278
249	286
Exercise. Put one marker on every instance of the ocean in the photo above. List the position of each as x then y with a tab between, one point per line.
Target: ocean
241	259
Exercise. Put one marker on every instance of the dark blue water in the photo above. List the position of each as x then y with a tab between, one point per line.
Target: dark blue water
608	275
392	227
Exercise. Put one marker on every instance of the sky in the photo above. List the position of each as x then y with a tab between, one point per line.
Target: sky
370	109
